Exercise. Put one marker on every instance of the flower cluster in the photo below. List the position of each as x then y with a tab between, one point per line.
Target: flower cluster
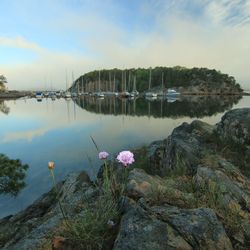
103	155
126	158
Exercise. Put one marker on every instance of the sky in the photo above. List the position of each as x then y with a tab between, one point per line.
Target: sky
42	42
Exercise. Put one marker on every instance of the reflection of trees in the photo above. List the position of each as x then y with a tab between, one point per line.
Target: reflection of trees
4	108
12	174
193	106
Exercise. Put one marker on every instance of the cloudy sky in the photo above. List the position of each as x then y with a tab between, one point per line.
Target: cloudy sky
42	40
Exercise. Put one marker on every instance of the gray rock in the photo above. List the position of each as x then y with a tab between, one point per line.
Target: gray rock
180	153
235	125
31	228
199	227
141	231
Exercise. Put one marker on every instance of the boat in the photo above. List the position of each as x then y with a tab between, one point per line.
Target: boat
124	94
39	95
67	95
161	93
150	93
172	92
99	94
58	94
134	91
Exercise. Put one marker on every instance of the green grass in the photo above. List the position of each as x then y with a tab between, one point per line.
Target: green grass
90	230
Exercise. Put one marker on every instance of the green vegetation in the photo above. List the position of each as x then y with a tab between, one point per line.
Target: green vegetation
3	81
93	228
12	174
177	76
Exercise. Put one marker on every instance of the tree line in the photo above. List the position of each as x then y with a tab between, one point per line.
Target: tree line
166	77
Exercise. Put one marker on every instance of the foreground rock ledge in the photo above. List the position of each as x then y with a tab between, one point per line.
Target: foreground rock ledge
197	195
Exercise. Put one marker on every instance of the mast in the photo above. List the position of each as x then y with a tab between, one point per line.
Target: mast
125	84
99	82
66	80
162	80
72	78
114	84
82	85
129	78
110	81
150	79
134	84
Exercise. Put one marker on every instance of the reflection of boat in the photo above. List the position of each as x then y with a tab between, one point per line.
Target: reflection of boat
172	98
99	95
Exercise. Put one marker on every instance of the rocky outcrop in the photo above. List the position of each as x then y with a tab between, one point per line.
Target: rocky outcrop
33	227
196	197
235	126
180	152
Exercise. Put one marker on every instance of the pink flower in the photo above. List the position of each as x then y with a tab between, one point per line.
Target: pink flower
103	155
126	158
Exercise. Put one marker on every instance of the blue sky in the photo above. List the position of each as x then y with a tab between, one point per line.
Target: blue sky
39	40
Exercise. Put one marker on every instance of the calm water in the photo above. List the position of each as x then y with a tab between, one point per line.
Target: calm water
38	132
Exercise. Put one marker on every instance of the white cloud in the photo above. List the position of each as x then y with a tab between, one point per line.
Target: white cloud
219	38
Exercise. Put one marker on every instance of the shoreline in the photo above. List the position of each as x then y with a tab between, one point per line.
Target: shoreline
14	94
192	177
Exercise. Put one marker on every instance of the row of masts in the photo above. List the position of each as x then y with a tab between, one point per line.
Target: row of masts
110	86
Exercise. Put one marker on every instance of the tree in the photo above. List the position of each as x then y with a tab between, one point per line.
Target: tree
12	174
3	80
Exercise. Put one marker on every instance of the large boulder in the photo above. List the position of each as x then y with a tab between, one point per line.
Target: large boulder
235	126
141	231
199	227
31	228
180	152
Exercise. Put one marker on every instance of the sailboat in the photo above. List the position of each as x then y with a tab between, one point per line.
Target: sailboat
124	93
134	92
161	93
67	94
99	94
150	94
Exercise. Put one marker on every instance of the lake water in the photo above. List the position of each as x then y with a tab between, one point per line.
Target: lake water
60	130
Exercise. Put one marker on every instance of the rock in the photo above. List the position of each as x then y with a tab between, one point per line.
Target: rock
32	228
141	184
157	190
235	126
236	188
140	231
199	227
180	153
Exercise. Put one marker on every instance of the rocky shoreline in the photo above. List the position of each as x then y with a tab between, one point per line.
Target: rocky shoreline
189	191
14	94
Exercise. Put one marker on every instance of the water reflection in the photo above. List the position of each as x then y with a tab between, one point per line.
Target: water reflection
173	107
12	174
4	108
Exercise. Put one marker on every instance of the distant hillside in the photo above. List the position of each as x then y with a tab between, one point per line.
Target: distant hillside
195	80
3	81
